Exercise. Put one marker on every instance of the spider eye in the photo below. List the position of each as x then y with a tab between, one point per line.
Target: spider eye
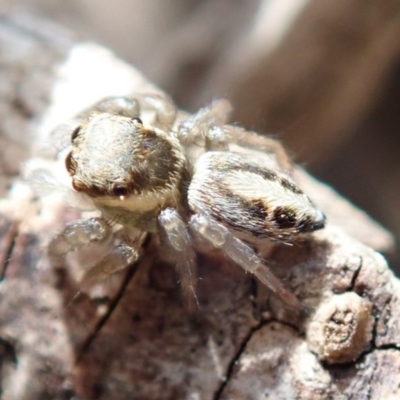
75	133
69	164
119	190
137	120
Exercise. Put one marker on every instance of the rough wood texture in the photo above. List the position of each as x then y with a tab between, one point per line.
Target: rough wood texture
141	343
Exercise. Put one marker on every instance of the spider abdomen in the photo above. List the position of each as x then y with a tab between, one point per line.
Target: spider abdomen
251	198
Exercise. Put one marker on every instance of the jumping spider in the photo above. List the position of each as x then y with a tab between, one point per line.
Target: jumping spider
186	180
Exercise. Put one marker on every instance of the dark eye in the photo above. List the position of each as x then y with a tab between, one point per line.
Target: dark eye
137	120
75	133
76	184
119	190
69	164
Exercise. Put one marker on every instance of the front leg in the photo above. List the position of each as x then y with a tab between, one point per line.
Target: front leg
120	257
180	244
77	234
81	233
219	236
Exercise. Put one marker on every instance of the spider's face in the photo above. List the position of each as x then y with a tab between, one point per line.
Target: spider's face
130	171
114	156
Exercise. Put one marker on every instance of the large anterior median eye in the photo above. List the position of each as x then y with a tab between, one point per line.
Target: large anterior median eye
119	190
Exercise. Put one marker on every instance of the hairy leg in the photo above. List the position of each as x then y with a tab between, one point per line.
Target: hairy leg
241	254
162	106
180	244
261	144
163	109
81	233
207	126
77	234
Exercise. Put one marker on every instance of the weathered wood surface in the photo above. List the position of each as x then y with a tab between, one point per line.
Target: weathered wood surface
142	343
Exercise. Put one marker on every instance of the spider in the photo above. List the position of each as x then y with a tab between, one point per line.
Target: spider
187	179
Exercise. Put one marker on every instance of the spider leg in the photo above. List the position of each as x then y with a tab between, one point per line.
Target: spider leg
119	258
44	181
163	107
77	234
179	243
160	105
260	143
128	107
241	254
208	125
81	233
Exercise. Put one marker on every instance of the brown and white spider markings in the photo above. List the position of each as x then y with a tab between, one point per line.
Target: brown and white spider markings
184	179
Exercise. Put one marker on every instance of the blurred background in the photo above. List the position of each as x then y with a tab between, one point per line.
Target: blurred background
321	75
